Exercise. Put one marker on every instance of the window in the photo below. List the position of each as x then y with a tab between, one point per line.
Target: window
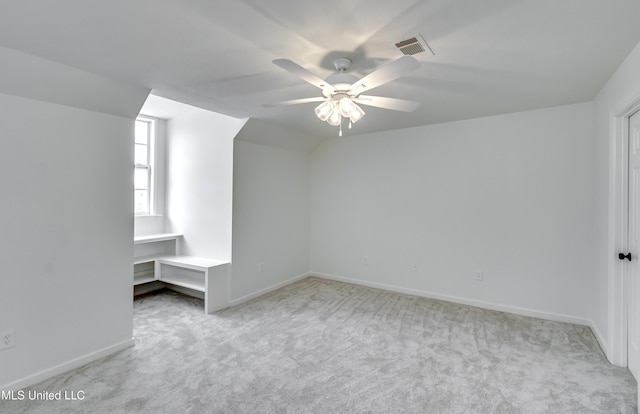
143	178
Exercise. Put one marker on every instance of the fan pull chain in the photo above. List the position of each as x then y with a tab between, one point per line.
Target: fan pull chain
340	130
350	124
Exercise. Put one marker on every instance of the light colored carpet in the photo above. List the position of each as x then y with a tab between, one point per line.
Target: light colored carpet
319	346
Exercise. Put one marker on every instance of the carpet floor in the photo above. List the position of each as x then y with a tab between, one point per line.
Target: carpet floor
319	346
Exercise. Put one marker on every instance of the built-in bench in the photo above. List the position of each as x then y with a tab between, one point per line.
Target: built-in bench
155	261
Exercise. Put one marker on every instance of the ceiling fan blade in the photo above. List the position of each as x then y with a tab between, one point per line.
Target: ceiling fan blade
387	103
301	72
387	73
296	101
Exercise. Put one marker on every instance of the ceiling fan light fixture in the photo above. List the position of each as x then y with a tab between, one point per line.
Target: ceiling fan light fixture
335	109
325	109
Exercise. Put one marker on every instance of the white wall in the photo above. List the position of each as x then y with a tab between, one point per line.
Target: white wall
621	90
67	229
510	195
200	181
66	216
270	217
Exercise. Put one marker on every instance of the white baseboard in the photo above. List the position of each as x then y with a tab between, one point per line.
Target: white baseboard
234	302
66	366
463	301
603	344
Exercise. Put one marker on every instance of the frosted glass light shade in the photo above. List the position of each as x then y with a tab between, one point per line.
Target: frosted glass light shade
332	111
325	109
347	107
335	118
356	114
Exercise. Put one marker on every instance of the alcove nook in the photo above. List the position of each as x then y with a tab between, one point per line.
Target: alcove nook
183	241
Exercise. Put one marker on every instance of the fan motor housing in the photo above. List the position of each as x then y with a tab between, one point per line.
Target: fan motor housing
340	82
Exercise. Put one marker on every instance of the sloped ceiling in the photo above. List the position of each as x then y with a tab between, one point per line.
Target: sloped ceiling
491	56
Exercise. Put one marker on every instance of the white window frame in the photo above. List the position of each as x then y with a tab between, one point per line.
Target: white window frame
155	192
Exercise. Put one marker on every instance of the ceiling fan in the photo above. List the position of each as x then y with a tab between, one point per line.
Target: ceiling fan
342	92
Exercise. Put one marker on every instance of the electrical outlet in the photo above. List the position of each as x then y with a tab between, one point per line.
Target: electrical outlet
261	267
365	260
415	267
479	276
7	339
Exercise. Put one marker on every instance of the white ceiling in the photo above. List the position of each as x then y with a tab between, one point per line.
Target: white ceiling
491	56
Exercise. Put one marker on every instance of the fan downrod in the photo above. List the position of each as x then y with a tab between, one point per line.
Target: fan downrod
342	64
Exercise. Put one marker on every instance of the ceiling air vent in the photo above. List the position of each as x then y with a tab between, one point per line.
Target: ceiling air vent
414	45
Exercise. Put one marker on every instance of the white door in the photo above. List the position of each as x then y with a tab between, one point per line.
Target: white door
633	298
